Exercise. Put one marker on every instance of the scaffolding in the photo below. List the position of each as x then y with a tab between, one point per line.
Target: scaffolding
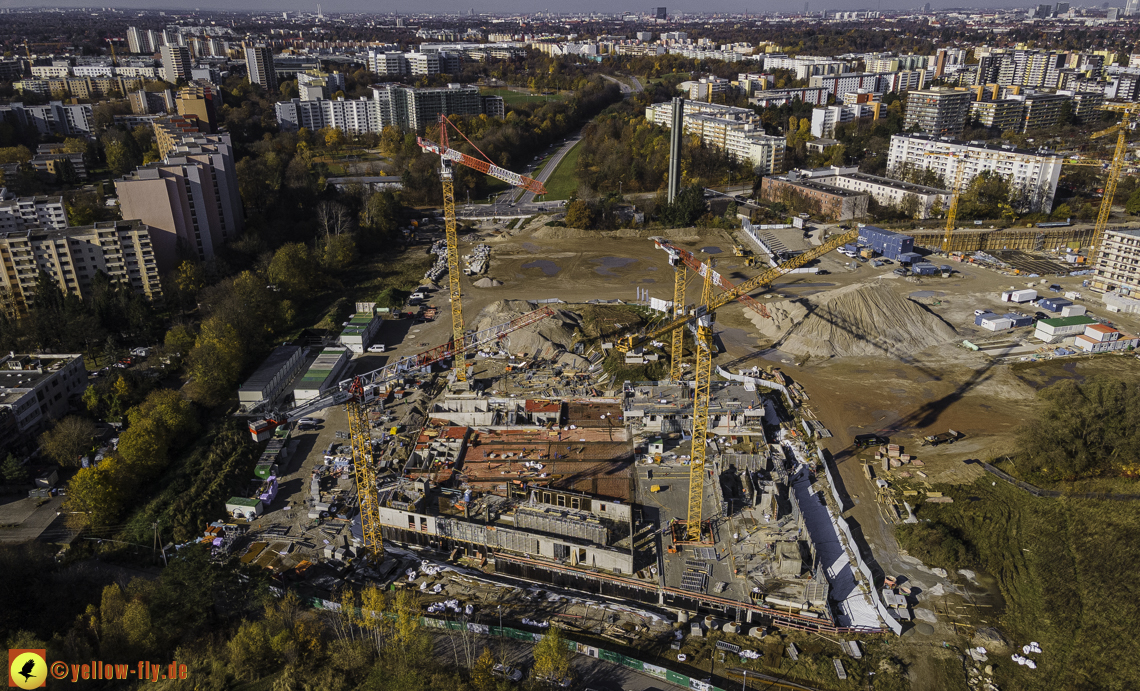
1030	239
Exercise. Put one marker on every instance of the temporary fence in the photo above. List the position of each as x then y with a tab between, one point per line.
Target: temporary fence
533	637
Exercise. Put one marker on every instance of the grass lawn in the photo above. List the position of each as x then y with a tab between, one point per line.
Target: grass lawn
1066	569
514	98
564	181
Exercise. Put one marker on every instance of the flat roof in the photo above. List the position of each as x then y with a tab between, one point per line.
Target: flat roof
897	184
820	186
242	501
269	369
978	144
1069	321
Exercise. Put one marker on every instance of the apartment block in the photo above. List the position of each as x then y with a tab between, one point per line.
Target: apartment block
23	213
778	97
200	101
1118	263
259	66
176	63
709	89
169	131
36	388
138	41
55	118
49	158
1042	110
824	120
1004	115
737	131
805	67
314	84
121	249
939	112
1032	174
883	190
151	102
874	82
190	200
391	104
387	64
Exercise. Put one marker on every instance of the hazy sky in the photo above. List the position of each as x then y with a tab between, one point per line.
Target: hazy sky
451	6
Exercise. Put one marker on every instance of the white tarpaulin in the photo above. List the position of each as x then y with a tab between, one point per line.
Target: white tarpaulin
855	607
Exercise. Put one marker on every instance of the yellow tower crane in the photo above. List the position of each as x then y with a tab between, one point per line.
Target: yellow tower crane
1115	166
366	491
702	392
738	292
955	193
447	156
703	315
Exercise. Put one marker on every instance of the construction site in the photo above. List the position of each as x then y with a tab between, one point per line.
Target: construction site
658	428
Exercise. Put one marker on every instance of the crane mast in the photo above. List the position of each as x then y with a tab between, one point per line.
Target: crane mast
702	392
368	501
447	156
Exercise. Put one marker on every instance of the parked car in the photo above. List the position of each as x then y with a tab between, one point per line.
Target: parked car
862	440
378	348
507	672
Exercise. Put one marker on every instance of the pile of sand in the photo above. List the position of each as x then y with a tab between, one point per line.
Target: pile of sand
546	339
486	282
856	320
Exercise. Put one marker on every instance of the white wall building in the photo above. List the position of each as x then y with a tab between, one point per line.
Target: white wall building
1032	174
884	190
32	212
824	120
737	131
1118	263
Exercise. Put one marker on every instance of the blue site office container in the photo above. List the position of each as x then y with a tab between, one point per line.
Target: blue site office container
909	257
924	269
1054	304
984	315
1019	320
885	243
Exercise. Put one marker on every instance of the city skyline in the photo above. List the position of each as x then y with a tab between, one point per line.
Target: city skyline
462	7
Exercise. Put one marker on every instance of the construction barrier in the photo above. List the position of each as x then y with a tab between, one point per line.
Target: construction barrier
530	637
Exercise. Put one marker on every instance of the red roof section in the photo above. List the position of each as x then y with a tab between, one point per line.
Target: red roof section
543	406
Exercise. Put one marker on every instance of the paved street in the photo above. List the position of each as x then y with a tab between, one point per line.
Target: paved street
552	164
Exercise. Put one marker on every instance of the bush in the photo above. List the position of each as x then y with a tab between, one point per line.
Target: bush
936	544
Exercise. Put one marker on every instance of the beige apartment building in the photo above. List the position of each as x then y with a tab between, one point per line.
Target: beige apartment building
121	249
190	199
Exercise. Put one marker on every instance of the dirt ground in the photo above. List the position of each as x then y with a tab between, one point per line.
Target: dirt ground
986	396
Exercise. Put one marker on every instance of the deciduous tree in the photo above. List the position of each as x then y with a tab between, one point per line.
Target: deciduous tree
68	440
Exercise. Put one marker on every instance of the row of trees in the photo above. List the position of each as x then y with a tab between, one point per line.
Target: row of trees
510	142
221	621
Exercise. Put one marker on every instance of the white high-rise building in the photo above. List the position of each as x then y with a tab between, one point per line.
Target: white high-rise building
176	63
1032	174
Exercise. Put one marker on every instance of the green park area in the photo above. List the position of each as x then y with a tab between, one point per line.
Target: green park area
518	96
564	182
